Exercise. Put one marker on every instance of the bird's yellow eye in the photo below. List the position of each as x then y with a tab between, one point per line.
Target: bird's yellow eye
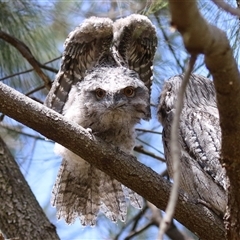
100	93
129	91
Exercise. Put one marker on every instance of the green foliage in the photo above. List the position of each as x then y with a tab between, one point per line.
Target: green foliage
27	22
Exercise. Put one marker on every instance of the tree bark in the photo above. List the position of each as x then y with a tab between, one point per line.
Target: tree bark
20	214
201	37
117	164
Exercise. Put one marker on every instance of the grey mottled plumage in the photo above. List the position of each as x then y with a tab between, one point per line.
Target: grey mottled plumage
97	88
202	175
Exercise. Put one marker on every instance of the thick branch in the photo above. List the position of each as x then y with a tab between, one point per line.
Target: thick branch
112	161
200	37
26	53
20	214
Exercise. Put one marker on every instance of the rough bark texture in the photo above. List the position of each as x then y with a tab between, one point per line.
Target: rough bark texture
200	37
20	214
123	167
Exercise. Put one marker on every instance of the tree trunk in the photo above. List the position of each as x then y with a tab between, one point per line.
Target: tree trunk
20	214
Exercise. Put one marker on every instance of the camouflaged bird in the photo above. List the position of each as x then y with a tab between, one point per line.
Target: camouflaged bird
202	176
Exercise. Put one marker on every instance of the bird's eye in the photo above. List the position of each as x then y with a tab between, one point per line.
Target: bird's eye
129	91
100	93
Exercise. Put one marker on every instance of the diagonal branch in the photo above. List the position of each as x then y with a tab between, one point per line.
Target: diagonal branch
169	44
117	164
32	69
141	149
227	7
26	53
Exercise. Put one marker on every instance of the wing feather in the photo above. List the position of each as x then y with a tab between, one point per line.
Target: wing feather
84	48
134	46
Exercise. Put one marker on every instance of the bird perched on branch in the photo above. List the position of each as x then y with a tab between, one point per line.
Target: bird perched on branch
202	175
103	84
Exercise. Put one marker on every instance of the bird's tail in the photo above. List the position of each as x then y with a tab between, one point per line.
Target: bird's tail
83	191
76	193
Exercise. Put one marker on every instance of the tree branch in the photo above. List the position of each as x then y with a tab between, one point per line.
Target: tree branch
227	7
35	90
117	164
140	149
172	232
201	37
175	150
26	53
147	131
32	69
168	42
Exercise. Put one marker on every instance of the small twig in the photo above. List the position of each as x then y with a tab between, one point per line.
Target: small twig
52	60
168	43
153	105
23	133
26	53
148	131
31	69
149	145
140	149
34	90
173	232
175	151
135	233
134	219
29	163
16	74
138	217
48	68
228	8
